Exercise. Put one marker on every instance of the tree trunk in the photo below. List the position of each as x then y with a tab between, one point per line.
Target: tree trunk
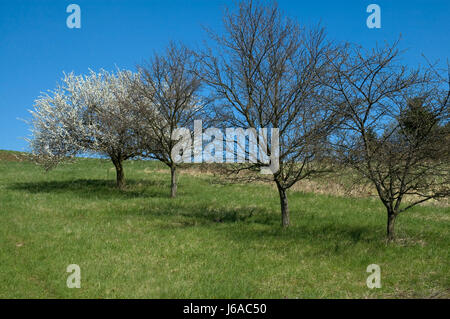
173	183
120	176
284	206
390	225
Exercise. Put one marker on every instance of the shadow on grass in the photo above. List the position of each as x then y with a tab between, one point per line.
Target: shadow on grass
257	225
184	213
328	239
190	213
181	213
100	189
249	215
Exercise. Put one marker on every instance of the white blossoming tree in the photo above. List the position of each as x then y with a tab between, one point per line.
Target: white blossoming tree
87	114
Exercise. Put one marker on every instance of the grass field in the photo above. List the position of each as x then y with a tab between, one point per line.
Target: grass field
213	241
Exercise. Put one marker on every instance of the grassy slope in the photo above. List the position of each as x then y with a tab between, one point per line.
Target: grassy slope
213	241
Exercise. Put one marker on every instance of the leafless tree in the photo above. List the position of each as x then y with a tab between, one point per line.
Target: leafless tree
265	72
396	128
171	87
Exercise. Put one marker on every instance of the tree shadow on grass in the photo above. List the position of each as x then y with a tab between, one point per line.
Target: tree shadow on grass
194	213
182	214
191	214
335	235
328	238
305	228
90	188
247	215
252	226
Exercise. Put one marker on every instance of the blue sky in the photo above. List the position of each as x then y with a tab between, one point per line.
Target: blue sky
36	46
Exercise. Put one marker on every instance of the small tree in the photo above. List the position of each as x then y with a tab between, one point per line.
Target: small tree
171	88
110	111
265	73
87	114
394	135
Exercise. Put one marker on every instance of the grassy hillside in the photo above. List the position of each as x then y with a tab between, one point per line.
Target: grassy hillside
213	241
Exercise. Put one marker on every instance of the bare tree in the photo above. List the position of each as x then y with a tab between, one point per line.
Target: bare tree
87	114
395	131
171	88
265	74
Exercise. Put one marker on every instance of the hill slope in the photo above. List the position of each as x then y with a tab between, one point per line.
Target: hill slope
215	240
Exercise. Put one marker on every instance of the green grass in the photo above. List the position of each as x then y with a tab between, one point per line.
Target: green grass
213	241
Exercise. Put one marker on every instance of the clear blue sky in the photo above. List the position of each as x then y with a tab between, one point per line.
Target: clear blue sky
36	46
